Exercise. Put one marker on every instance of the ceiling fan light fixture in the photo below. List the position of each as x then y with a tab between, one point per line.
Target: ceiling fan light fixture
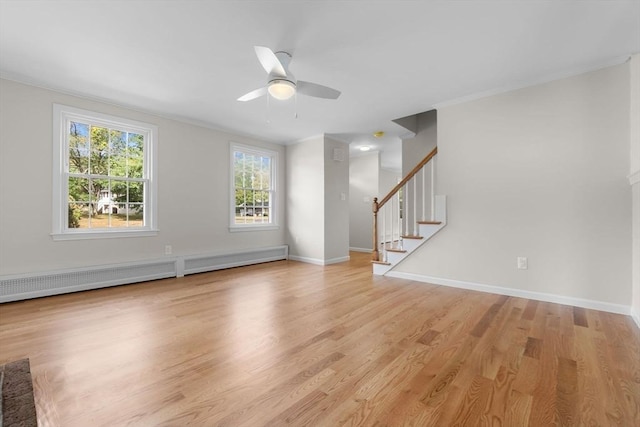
281	89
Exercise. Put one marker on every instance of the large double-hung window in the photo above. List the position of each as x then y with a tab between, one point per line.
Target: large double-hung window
104	182
253	188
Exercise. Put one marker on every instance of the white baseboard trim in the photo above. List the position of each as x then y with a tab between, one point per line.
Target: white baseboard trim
635	315
539	296
337	260
317	261
366	250
34	285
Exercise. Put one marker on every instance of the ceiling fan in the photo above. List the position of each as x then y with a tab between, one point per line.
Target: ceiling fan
281	84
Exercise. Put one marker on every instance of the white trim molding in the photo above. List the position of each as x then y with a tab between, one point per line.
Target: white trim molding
365	250
634	178
499	290
317	261
575	71
636	317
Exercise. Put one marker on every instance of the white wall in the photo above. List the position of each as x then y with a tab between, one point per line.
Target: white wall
318	218
426	138
413	151
366	181
305	199
193	185
634	177
387	180
364	171
336	199
539	172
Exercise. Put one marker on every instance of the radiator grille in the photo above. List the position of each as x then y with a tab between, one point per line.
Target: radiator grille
199	264
12	289
43	284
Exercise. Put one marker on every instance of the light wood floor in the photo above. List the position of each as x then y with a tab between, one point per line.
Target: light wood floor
287	343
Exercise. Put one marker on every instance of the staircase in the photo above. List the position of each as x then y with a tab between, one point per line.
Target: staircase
408	216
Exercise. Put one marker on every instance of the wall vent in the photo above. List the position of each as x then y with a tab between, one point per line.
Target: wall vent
14	288
202	263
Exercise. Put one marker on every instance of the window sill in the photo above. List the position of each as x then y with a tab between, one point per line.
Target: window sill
88	235
241	228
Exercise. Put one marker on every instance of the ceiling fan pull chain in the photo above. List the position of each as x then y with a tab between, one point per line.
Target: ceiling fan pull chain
295	114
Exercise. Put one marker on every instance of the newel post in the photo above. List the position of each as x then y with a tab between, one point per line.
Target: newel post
375	256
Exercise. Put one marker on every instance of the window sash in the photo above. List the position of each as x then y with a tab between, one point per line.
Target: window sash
250	213
147	206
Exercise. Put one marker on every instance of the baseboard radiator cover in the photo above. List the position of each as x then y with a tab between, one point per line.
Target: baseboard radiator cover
15	288
202	263
26	286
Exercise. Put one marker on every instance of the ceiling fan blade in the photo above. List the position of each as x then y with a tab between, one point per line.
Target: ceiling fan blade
319	91
270	61
253	94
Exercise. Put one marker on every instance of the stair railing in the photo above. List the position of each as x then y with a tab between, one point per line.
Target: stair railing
404	207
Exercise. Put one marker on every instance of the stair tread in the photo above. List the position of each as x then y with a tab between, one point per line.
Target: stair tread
412	237
430	222
381	262
396	250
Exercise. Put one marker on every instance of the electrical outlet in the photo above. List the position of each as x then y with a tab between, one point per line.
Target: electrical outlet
523	263
168	250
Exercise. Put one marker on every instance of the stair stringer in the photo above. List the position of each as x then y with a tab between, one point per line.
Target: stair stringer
426	231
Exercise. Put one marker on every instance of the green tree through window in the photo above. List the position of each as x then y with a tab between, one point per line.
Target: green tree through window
106	182
103	176
254	189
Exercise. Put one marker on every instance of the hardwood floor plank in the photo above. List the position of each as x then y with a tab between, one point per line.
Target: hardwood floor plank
497	405
473	405
567	392
533	348
580	317
486	320
518	409
287	343
297	413
428	337
530	312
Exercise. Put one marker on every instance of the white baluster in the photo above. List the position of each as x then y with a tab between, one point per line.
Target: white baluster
415	206
433	188
399	227
405	205
393	212
424	193
384	234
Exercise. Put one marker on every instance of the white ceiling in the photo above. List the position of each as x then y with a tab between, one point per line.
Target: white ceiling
191	60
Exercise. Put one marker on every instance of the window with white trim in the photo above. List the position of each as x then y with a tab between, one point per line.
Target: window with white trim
253	188
103	179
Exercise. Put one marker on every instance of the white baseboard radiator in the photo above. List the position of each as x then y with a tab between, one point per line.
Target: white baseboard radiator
26	286
202	263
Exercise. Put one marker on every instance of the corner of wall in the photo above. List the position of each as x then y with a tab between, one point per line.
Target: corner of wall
634	180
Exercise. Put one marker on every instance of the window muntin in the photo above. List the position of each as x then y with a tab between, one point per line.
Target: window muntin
253	188
104	182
